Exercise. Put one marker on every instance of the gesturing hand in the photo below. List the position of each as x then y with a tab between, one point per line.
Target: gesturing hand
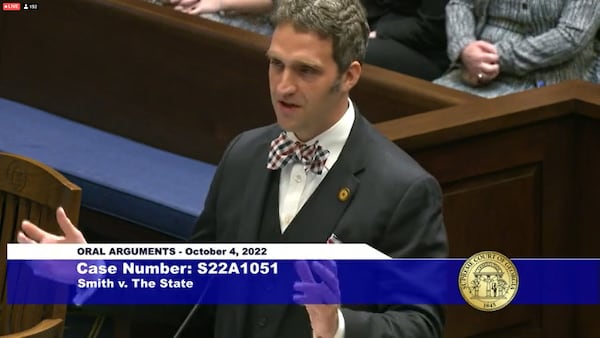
321	298
56	271
33	234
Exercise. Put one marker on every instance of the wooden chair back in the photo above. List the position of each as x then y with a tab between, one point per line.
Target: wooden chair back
33	191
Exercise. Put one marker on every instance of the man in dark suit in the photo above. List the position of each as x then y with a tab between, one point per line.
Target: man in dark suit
321	171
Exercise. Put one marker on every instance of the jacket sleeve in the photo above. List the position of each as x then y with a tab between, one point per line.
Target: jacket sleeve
576	27
419	213
460	26
206	224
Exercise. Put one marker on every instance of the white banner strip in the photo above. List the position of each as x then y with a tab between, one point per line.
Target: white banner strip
250	251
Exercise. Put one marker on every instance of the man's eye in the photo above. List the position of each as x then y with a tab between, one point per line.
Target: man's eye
276	63
307	70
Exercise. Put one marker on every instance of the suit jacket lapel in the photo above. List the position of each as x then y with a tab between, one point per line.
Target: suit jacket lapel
257	184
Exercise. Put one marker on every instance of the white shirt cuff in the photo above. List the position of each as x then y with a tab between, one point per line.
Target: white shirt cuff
341	330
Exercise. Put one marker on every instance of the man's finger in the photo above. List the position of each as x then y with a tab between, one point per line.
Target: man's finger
310	293
302	299
303	271
327	275
316	293
309	288
70	231
22	238
33	232
330	264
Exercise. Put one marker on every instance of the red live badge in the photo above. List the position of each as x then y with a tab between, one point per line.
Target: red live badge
11	6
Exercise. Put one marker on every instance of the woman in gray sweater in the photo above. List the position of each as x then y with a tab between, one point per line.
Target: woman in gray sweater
498	47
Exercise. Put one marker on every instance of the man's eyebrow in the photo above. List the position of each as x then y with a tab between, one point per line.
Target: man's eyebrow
296	63
270	55
303	63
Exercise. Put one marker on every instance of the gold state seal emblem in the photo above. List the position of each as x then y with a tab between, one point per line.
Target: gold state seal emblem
488	281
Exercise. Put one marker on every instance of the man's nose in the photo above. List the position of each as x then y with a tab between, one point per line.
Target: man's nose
287	83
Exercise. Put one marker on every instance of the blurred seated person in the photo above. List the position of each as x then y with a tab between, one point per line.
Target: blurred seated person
597	77
408	36
251	15
502	47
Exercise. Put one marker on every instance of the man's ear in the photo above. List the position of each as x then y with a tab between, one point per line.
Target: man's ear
351	76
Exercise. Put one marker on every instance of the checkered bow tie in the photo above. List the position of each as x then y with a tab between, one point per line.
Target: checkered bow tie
284	150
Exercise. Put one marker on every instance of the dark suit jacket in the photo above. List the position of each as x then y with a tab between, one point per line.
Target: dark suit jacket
394	206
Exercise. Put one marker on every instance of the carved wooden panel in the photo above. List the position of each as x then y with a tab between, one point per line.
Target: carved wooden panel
526	192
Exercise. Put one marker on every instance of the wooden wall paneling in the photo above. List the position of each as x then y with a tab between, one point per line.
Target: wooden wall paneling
164	78
521	164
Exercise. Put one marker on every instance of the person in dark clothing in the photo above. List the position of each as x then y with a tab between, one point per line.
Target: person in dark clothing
408	36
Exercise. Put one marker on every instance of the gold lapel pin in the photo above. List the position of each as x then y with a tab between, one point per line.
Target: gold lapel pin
344	194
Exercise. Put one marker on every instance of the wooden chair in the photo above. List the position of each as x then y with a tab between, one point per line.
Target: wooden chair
31	190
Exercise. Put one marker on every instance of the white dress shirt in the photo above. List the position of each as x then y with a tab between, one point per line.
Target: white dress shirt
297	185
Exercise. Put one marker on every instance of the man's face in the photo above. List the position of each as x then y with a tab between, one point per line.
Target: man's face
307	92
